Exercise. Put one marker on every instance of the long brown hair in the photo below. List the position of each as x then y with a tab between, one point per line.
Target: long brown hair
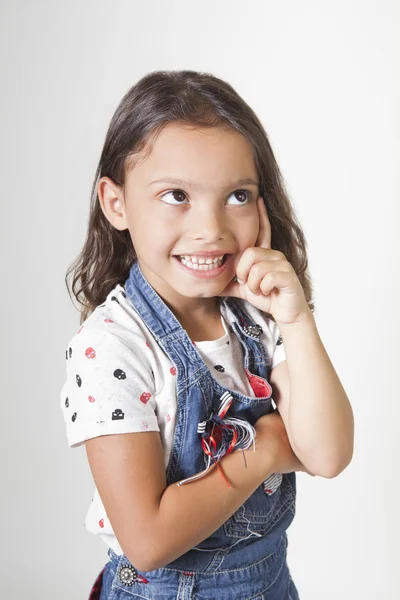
186	97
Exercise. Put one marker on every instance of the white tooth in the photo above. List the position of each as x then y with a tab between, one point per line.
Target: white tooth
200	260
202	266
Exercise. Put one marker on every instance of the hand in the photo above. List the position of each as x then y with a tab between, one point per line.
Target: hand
267	280
272	442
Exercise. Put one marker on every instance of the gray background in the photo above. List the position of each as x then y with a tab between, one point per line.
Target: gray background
323	78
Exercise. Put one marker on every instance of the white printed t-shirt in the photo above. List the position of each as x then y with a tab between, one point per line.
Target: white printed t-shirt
119	380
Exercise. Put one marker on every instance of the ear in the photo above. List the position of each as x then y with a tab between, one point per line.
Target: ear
112	203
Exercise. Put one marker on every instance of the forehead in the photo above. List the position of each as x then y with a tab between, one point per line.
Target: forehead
196	154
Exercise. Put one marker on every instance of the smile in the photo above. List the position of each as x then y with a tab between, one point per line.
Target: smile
199	266
201	263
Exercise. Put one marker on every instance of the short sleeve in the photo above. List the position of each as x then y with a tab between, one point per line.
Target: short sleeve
109	388
279	350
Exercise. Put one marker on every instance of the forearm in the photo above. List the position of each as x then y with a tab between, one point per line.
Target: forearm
190	513
320	416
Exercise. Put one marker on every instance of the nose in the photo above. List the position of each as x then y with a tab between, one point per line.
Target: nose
208	224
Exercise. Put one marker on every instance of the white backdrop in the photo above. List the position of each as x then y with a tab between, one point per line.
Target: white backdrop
324	79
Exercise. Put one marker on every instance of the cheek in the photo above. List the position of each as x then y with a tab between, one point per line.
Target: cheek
151	234
141	224
247	231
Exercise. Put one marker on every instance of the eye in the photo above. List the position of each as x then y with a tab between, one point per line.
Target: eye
175	193
242	197
242	193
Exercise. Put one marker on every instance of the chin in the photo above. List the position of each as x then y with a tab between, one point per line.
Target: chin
204	294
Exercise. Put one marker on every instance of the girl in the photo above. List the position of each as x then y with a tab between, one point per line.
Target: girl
197	323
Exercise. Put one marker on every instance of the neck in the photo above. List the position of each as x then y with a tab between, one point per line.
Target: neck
185	308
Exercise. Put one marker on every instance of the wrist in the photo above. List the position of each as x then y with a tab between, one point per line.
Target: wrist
305	318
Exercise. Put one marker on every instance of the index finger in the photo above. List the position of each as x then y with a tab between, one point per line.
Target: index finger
264	234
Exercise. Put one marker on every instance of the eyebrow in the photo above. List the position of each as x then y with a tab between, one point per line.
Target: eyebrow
245	181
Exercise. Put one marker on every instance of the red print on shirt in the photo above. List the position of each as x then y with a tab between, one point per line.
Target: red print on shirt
145	397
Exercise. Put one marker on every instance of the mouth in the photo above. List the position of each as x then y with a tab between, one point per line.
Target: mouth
203	266
202	263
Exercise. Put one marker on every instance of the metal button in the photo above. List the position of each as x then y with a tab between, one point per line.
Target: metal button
253	330
127	574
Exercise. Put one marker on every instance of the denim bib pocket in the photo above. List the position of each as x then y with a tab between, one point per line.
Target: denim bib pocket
261	512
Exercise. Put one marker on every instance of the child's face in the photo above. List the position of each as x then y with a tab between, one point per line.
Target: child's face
167	219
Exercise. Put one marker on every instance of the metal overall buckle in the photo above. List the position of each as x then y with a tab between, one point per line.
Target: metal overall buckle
253	331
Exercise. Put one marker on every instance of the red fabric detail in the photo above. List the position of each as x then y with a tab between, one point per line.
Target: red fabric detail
96	589
223	412
145	397
260	386
212	442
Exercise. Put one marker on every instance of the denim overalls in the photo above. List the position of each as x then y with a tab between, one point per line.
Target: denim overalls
246	557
